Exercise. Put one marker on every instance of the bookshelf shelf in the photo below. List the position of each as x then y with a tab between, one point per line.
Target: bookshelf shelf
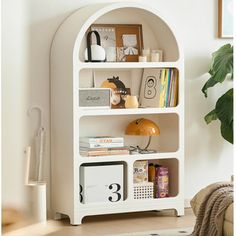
70	122
127	65
119	112
129	158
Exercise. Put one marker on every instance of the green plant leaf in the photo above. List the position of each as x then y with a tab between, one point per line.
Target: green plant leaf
211	116
210	83
222	65
222	62
227	132
224	112
224	107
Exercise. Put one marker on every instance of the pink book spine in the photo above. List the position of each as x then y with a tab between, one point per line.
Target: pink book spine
162	182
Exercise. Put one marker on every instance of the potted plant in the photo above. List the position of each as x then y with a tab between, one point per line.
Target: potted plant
220	69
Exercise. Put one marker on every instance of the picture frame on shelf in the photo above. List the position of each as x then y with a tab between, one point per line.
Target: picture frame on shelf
129	42
122	42
118	81
225	18
108	40
150	88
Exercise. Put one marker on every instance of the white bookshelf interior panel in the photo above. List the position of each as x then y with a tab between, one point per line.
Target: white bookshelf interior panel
168	141
156	33
87	77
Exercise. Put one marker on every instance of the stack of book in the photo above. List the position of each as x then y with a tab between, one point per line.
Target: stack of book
102	146
168	88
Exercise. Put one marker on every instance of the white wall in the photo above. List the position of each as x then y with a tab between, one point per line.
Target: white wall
16	97
28	28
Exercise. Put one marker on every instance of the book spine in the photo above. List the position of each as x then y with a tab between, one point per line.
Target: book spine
152	177
162	182
172	90
102	140
158	86
165	86
162	90
168	87
101	145
117	151
176	89
104	153
156	181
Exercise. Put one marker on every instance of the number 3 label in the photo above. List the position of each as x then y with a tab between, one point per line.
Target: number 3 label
81	193
117	196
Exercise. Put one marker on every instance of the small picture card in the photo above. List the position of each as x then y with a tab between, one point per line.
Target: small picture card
150	88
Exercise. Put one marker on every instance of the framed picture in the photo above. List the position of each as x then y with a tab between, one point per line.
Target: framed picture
119	82
150	88
225	18
122	42
108	40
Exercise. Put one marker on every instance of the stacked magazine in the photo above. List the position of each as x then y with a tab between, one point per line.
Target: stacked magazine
102	146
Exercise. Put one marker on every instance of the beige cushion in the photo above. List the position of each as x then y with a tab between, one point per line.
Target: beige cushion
199	197
228	219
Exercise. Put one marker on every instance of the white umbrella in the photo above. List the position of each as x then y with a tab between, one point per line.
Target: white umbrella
39	139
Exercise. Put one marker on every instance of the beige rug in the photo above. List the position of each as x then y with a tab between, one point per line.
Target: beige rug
166	232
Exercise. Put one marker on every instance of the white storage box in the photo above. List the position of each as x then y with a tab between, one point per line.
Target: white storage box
95	98
102	183
143	190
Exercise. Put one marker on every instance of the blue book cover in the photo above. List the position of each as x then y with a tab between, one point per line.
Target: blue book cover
168	88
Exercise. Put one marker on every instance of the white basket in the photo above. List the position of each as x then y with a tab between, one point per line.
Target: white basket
143	190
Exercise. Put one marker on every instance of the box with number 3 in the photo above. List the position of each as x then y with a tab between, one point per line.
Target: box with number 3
101	183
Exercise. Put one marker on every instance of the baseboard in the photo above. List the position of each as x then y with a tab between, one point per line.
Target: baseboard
187	203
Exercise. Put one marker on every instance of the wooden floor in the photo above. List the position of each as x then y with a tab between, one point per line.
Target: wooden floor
108	224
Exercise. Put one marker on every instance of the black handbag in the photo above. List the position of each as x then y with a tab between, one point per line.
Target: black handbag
94	52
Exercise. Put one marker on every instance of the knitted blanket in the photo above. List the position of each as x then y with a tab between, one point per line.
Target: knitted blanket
210	216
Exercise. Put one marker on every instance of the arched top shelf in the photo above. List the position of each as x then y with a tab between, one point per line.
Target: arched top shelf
157	33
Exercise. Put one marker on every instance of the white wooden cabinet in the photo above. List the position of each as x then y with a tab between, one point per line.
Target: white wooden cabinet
69	72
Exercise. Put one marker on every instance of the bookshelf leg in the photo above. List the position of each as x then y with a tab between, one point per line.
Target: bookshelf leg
179	212
76	220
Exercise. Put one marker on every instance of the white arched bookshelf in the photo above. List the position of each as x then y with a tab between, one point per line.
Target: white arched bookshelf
69	122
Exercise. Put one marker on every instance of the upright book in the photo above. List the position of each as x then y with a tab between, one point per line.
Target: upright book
162	91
